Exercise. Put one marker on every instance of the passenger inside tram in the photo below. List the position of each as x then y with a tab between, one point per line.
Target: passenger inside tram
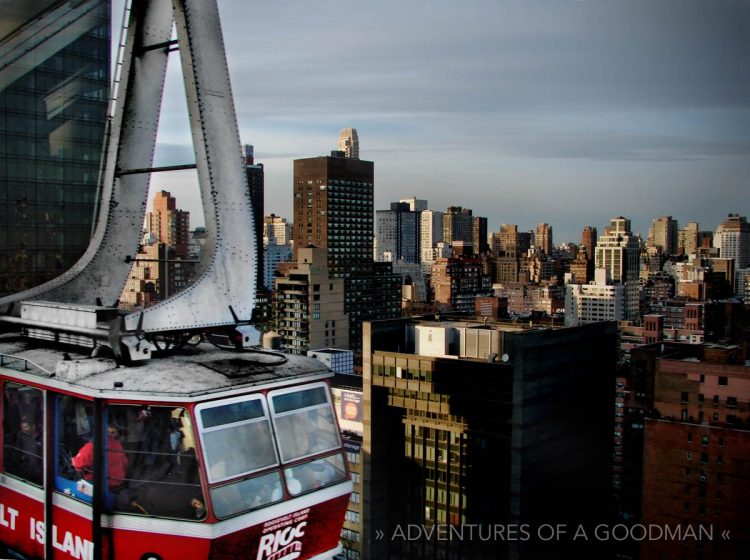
163	477
22	432
117	462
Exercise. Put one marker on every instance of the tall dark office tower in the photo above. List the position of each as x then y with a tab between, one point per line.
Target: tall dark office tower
255	178
458	225
54	84
455	436
333	209
479	235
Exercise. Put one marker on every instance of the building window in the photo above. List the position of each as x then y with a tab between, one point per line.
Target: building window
352	516
704	440
732	401
350	535
684	397
723	380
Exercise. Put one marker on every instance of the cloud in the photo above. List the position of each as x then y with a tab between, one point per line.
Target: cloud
532	110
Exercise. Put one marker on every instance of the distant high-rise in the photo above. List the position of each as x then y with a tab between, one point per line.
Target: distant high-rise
169	225
458	225
54	87
333	209
733	239
430	233
415	204
619	252
310	305
397	234
276	230
663	234
508	240
588	240
157	272
255	183
349	143
479	235
544	238
687	239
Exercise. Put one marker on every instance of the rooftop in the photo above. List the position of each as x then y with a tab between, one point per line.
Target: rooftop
189	373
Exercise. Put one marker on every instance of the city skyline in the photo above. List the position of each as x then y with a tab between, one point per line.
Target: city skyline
569	113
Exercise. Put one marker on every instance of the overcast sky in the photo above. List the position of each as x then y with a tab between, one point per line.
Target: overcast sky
559	111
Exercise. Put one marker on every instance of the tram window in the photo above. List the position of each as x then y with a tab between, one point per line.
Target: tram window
246	495
74	433
23	424
236	437
315	474
304	422
162	475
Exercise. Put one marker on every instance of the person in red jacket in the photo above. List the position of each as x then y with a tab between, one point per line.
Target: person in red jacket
116	459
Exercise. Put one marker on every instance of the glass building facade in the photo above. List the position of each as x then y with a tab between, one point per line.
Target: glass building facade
54	86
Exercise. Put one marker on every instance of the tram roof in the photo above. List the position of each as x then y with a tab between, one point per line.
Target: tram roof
189	373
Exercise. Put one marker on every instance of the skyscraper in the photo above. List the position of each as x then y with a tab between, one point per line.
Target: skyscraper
588	240
415	204
310	305
430	232
508	240
479	235
544	238
663	234
458	225
169	225
276	230
619	252
54	88
255	183
687	239
157	273
397	234
349	143
454	436
733	239
333	209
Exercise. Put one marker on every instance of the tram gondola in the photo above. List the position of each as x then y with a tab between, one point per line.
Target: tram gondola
198	455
